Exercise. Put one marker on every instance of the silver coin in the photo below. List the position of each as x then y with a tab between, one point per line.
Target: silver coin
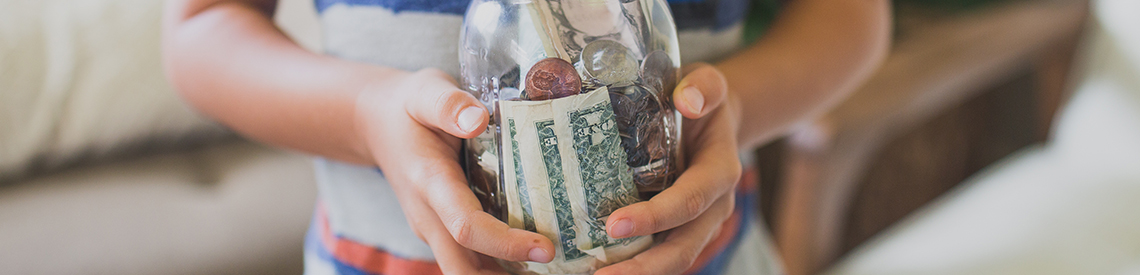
608	62
658	72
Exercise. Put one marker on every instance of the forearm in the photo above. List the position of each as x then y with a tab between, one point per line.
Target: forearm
228	60
816	53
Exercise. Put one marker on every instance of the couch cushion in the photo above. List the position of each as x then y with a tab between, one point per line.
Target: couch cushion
84	80
236	208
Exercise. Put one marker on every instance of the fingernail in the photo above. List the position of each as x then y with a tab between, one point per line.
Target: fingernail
470	119
694	99
621	229
538	254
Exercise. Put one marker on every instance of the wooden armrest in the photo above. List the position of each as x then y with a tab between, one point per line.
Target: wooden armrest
934	67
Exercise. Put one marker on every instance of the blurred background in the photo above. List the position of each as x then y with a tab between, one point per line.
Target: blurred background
999	137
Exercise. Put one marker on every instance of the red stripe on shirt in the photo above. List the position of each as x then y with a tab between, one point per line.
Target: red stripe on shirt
367	258
372	260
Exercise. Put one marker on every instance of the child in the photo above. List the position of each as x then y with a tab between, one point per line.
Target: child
385	97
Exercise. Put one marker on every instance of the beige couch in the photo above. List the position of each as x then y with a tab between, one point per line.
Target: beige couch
103	170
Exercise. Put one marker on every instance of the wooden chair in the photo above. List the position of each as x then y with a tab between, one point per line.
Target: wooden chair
935	65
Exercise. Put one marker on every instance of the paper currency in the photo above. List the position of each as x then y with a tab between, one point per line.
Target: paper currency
582	123
568	25
569	172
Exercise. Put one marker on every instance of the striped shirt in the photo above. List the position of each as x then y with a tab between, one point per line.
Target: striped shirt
358	226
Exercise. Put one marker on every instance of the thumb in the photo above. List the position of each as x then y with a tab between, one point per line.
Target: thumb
701	90
439	104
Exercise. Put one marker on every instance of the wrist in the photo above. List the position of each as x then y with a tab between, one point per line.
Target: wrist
373	100
734	111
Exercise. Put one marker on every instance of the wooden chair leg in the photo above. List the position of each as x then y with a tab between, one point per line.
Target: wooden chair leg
1053	69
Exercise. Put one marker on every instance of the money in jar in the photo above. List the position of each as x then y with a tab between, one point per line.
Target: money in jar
609	63
581	123
552	78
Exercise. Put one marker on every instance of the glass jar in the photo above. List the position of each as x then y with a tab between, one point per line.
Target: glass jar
582	119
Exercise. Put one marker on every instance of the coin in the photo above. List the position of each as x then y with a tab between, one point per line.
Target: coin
636	111
625	116
658	72
608	62
648	101
651	137
633	105
552	78
625	108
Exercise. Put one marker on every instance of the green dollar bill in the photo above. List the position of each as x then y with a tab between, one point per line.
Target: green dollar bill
520	181
548	144
605	176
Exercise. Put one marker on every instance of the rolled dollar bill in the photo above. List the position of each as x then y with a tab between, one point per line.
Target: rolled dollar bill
581	122
568	168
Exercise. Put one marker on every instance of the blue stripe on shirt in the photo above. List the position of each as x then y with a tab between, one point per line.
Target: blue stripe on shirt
717	14
457	7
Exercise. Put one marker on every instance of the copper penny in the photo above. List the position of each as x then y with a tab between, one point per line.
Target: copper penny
552	78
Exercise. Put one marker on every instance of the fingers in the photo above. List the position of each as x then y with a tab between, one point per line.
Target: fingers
469	226
709	177
451	257
681	247
442	105
701	90
430	169
713	171
438	180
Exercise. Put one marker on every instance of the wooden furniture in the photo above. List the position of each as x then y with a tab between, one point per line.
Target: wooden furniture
934	66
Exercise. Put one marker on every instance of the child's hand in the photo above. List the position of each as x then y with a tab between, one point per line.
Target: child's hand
413	131
702	198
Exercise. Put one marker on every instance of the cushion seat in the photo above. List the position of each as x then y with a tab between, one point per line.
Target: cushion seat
232	208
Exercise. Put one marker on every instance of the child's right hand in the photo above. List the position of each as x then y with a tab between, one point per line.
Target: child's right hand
413	131
229	60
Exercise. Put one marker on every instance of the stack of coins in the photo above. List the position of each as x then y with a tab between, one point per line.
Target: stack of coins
639	95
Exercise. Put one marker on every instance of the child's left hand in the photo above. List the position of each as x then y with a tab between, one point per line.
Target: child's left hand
703	196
